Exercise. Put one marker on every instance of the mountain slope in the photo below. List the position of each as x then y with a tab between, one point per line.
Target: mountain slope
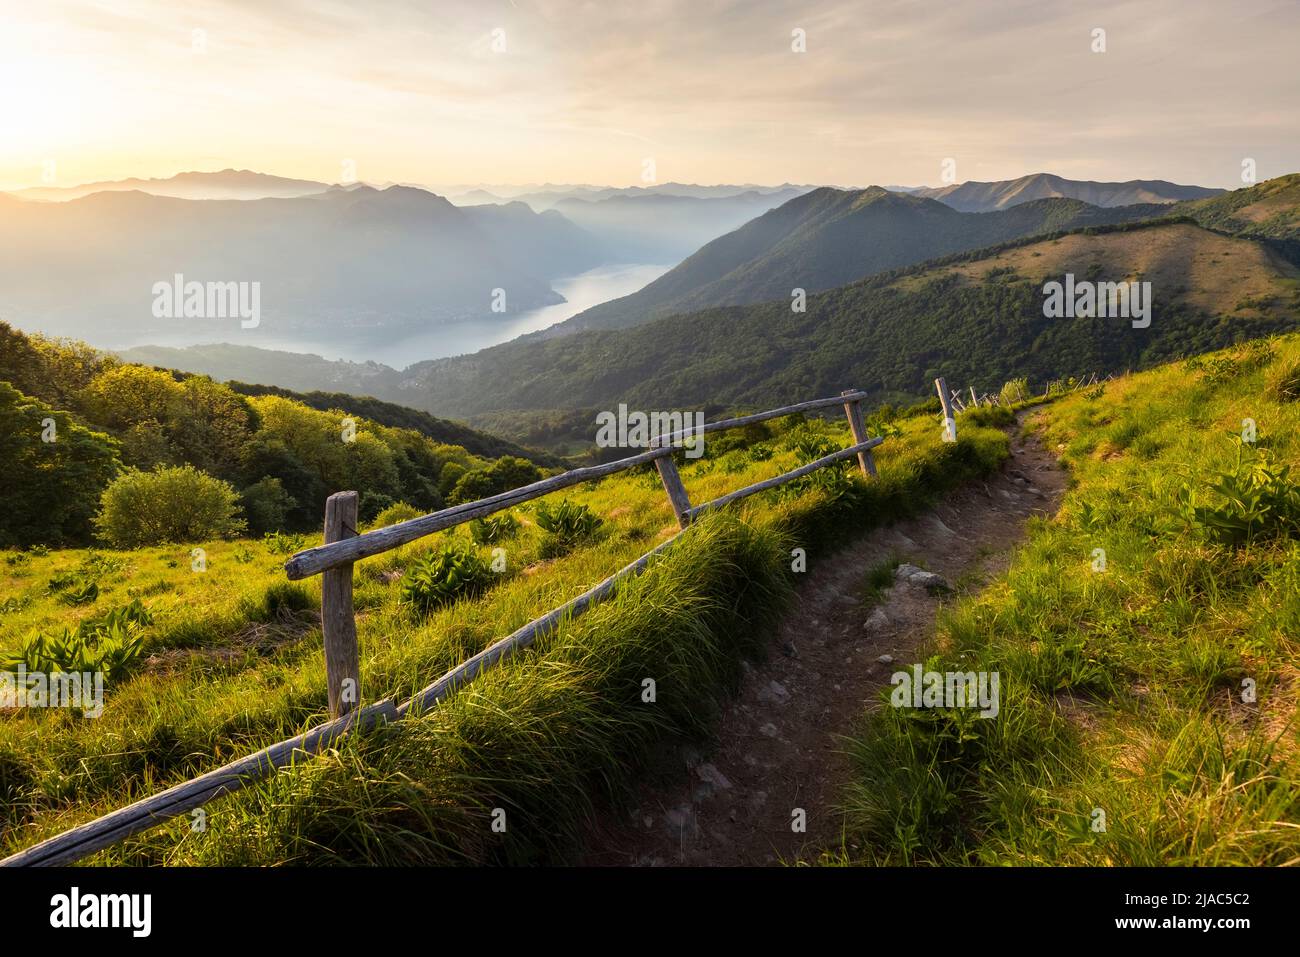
336	263
978	320
831	237
653	227
974	197
1269	210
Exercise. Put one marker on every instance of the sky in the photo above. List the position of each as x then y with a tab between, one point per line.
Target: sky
703	91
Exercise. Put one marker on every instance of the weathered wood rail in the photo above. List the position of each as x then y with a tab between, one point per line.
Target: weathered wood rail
334	559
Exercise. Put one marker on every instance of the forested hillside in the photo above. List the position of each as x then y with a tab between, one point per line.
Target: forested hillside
831	237
976	319
85	438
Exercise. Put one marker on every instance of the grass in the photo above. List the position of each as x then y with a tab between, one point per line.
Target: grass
1126	689
235	663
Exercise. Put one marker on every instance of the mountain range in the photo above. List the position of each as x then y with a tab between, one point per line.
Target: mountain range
1221	270
830	237
342	261
975	197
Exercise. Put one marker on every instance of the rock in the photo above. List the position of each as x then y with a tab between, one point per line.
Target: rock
710	774
920	578
940	527
769	729
904	572
774	692
934	584
886	659
877	620
788	649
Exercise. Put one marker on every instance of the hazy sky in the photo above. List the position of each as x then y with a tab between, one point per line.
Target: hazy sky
586	92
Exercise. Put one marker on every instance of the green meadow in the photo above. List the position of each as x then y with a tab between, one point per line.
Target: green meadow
231	661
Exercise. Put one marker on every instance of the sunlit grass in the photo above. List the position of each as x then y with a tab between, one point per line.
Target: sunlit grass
236	658
1121	690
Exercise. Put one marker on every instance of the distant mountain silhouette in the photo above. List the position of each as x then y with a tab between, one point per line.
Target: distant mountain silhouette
339	260
225	184
973	197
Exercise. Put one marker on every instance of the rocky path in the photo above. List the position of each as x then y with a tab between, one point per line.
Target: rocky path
779	743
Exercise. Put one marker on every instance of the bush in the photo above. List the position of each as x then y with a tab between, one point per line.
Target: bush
168	505
489	531
455	571
397	512
279	543
266	504
568	524
504	474
1015	390
1257	501
110	644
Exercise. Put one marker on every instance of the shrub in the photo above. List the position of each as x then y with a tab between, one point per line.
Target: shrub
489	531
1014	390
110	644
568	524
397	512
455	571
168	505
506	473
280	543
1256	500
266	504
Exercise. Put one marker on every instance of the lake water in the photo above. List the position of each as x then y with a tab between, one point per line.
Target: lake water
581	292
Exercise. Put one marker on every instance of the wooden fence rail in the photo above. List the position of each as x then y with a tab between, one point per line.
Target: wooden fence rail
343	546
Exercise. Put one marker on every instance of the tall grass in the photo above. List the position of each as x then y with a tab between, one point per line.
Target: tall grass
1122	695
237	664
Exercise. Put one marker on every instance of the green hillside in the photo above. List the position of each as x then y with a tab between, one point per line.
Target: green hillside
831	237
230	660
1150	702
78	427
977	319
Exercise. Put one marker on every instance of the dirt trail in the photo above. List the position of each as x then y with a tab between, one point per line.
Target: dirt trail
779	742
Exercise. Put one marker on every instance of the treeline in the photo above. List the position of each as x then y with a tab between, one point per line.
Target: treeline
94	447
445	431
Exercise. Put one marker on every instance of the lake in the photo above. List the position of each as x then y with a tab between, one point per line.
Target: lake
581	292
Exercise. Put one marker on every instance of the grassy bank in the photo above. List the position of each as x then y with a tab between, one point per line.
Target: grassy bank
1127	734
235	663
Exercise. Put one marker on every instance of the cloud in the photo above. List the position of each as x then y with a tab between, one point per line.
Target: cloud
415	91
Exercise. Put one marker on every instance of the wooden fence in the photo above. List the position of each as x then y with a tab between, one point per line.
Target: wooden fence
333	560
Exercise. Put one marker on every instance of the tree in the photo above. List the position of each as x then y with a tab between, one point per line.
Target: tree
167	505
502	475
53	473
266	504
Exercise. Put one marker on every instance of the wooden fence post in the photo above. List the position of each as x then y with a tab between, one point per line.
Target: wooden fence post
677	496
853	410
338	621
949	419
